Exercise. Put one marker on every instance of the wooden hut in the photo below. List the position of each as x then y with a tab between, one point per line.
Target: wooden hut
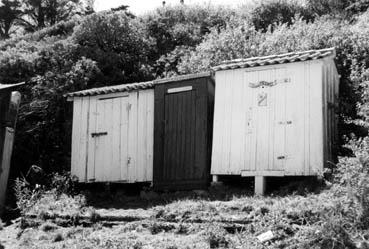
183	129
112	136
275	115
9	103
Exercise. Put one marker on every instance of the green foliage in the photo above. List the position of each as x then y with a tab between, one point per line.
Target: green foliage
63	183
177	27
43	13
9	13
268	13
26	197
328	7
353	174
118	43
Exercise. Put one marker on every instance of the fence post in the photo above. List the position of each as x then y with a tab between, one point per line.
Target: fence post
7	145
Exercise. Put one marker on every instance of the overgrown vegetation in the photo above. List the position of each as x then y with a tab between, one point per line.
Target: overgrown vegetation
116	47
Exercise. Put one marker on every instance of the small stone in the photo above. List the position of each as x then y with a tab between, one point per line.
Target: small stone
265	236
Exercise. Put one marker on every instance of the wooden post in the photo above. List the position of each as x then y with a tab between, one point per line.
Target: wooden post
5	156
215	178
259	185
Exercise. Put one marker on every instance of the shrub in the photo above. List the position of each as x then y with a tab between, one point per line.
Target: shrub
271	12
26	195
118	43
353	174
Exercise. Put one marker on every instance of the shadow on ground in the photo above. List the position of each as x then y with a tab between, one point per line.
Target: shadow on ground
132	196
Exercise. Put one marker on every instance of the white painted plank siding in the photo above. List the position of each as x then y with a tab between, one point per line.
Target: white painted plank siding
286	135
121	149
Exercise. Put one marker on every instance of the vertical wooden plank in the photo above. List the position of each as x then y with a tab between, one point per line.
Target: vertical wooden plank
186	130
99	142
114	143
250	122
306	110
141	128
316	118
150	134
159	124
218	126
132	136
272	109
77	168
182	112
124	142
252	77
279	145
92	119
227	112
201	120
237	116
294	162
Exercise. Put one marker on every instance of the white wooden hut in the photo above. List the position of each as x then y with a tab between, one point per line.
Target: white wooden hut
113	130
275	115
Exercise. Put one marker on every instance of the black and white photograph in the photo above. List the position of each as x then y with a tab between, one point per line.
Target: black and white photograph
184	124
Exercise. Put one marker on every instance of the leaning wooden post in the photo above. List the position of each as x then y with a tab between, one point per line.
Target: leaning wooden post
7	144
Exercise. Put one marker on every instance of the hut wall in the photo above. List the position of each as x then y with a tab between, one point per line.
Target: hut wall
275	130
112	138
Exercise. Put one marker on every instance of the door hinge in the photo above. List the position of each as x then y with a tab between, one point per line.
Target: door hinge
129	160
129	106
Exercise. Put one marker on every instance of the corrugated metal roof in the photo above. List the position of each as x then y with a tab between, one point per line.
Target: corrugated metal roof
112	89
182	77
276	59
10	87
135	86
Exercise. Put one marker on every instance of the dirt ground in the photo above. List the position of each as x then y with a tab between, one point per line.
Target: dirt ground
223	217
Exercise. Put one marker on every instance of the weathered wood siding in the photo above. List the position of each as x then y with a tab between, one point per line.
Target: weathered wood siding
273	130
183	115
113	137
9	104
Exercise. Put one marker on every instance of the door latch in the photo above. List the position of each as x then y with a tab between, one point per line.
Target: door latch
281	157
285	123
97	134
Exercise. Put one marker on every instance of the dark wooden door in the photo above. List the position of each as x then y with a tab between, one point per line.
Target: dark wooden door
181	159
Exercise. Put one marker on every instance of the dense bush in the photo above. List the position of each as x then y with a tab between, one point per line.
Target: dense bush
119	45
268	13
175	27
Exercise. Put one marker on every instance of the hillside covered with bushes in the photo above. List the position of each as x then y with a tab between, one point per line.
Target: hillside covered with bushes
116	47
88	49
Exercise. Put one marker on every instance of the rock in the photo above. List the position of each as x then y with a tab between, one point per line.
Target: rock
265	236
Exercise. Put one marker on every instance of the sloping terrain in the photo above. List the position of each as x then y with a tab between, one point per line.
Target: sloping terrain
319	220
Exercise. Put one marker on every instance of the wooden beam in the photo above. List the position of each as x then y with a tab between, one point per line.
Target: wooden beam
259	185
248	173
215	178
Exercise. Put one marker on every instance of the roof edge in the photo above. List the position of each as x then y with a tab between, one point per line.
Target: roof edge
11	86
276	59
183	77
